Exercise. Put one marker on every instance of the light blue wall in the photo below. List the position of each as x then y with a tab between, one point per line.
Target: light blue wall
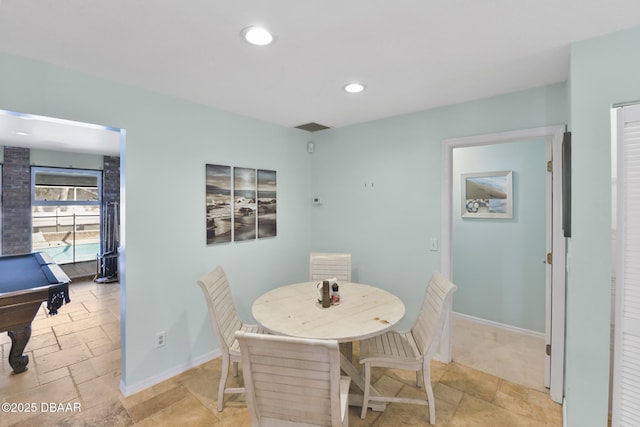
387	227
168	142
497	263
604	71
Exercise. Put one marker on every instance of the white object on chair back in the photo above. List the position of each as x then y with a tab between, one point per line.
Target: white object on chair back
225	323
330	265
293	381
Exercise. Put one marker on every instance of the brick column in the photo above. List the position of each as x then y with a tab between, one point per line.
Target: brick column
108	267
16	201
111	179
111	182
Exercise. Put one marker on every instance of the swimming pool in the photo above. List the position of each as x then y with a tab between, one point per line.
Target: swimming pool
64	254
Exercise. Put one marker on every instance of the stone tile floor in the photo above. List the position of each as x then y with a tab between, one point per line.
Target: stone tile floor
75	360
500	351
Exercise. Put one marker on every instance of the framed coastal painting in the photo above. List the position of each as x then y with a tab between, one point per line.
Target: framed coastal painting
267	224
218	201
245	204
487	195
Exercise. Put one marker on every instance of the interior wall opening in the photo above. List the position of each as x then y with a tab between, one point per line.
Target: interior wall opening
546	258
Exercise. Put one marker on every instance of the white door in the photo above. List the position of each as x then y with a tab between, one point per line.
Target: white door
626	371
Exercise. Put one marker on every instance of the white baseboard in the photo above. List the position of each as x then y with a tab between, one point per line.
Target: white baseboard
509	328
163	376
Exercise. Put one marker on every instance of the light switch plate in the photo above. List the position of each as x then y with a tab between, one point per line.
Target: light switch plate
433	244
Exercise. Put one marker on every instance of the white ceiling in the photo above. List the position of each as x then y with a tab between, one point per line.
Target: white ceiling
30	131
412	54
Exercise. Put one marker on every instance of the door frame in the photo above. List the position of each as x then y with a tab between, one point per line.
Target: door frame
555	306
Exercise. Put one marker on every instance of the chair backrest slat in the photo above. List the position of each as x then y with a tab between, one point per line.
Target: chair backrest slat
427	329
290	379
222	310
329	265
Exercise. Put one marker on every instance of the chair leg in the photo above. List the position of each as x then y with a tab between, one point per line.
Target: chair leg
235	369
367	389
426	378
347	349
223	380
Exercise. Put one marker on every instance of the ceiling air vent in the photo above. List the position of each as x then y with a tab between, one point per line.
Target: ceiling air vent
312	127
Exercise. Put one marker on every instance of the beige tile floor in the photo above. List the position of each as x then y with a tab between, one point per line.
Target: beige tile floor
508	354
75	360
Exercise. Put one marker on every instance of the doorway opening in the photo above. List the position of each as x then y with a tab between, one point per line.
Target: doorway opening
73	168
555	244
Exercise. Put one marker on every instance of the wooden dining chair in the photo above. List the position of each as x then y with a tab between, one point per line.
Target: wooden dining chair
411	350
293	381
327	265
225	323
330	265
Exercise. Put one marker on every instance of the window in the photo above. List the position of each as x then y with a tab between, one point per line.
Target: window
65	213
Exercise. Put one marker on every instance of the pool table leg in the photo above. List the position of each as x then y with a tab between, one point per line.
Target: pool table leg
19	338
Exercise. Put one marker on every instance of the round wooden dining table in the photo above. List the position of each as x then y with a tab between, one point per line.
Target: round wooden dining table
294	310
364	311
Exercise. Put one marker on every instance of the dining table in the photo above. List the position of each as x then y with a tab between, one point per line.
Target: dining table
363	311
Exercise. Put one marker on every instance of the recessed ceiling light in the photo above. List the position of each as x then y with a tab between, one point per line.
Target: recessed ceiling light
354	87
21	133
257	36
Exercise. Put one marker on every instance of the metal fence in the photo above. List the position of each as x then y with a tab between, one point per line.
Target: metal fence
68	238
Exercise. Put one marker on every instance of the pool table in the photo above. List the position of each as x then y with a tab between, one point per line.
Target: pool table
26	281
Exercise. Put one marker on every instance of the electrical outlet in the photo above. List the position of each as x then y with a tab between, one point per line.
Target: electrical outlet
161	339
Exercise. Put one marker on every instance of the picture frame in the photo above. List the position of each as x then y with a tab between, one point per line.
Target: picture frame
487	195
241	203
267	203
245	204
218	203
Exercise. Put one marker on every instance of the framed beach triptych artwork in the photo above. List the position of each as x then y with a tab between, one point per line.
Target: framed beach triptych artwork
487	195
240	203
